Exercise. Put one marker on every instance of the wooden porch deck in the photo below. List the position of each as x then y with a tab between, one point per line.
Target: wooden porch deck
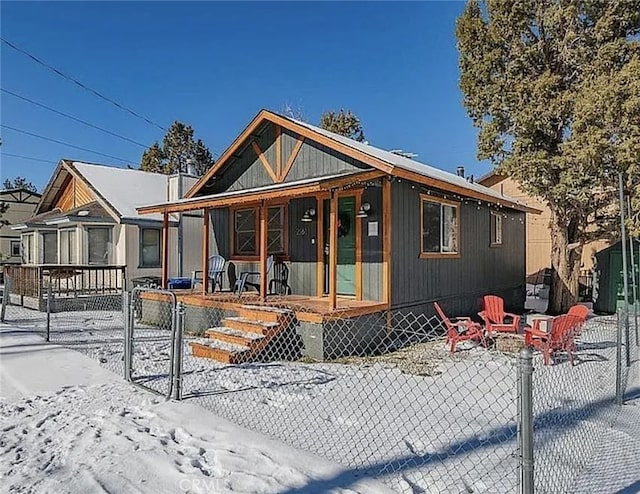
306	308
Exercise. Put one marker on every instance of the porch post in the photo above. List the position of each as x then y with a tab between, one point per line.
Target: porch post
165	249
333	250
263	251
386	240
205	251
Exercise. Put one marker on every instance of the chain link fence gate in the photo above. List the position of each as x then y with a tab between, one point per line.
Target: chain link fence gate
152	335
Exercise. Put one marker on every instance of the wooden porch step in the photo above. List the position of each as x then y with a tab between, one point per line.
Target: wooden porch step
250	325
221	351
234	336
264	313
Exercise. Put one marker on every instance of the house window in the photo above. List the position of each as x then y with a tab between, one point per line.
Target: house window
247	228
15	248
275	230
496	229
29	248
68	247
149	247
439	227
50	247
99	245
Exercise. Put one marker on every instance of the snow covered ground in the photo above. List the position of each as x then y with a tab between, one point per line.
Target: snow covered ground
70	426
450	431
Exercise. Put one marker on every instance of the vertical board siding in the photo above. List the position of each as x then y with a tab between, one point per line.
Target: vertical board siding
302	247
316	160
221	236
372	246
460	283
246	171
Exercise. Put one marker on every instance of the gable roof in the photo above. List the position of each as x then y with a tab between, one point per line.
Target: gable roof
118	190
386	161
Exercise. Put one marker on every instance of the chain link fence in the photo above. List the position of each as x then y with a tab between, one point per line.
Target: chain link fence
379	393
574	405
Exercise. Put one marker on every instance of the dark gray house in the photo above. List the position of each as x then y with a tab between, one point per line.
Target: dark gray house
359	228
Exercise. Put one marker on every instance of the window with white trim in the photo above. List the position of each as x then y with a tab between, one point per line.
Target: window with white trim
99	245
68	246
49	247
29	248
150	247
15	248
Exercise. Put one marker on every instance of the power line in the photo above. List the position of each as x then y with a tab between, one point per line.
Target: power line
84	122
80	84
27	157
50	139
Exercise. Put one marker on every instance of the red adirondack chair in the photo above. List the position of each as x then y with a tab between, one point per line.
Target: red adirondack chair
460	329
494	316
560	336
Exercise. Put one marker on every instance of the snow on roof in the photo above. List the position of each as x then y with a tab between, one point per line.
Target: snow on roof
126	189
254	190
406	163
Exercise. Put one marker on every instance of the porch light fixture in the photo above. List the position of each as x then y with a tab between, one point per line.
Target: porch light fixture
308	215
364	211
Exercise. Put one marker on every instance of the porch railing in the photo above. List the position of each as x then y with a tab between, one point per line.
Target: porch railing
72	280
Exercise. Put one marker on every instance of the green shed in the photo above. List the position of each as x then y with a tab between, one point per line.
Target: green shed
608	277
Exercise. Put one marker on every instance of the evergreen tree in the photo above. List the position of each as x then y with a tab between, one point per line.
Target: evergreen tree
177	152
344	123
534	75
19	183
153	159
202	158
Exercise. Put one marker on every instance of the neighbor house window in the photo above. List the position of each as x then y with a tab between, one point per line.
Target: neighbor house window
29	248
439	227
246	231
15	248
149	247
99	245
496	229
68	247
50	247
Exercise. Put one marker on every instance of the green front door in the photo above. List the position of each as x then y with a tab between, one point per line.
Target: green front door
346	272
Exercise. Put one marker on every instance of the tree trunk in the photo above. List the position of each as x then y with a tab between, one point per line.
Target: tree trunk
565	265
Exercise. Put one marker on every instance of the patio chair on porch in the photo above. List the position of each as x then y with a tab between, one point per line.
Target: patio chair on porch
216	269
461	329
279	284
246	278
495	318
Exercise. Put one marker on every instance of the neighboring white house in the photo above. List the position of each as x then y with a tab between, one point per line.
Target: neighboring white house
87	217
22	203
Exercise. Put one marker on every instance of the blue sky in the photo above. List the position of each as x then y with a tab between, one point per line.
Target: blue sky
214	65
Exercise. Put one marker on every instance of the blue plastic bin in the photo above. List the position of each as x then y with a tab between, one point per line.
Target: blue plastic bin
179	283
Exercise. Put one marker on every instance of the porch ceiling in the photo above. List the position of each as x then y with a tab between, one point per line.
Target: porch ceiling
267	192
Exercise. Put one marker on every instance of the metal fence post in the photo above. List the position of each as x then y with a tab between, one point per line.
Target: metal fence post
5	297
177	351
525	413
625	268
619	390
126	309
49	295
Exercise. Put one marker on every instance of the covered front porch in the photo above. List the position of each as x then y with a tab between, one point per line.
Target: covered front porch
331	234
